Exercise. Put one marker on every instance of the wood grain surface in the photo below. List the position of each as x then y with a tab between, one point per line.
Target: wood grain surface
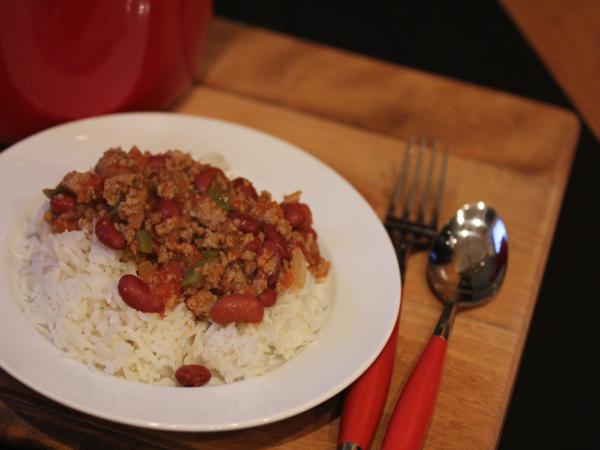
354	114
566	35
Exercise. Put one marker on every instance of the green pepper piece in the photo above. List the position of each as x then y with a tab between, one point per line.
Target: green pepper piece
51	192
144	241
219	196
112	213
193	275
208	255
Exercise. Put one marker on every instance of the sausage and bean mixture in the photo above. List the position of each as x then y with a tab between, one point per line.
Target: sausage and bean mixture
194	235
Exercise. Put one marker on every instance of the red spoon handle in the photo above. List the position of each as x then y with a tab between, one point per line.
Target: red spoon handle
412	415
366	398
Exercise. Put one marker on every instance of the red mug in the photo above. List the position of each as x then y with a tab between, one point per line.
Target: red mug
65	59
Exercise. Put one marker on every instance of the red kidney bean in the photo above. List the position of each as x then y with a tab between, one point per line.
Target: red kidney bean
271	249
192	375
204	179
245	187
268	297
307	229
62	203
248	224
237	308
156	163
136	293
168	208
307	214
272	234
297	214
293	213
271	246
254	245
109	235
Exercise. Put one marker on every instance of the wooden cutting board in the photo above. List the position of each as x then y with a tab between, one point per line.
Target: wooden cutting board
355	114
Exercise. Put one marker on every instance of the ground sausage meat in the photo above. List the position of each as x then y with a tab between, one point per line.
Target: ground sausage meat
195	235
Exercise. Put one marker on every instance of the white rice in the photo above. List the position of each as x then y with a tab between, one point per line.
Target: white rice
68	289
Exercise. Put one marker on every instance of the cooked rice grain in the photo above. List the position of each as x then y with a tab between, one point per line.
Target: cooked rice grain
68	287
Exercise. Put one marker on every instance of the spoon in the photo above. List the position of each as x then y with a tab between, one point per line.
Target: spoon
467	264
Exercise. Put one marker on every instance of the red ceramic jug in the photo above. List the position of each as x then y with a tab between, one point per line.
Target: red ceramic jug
65	59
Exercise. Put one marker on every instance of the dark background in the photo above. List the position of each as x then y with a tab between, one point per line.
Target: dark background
554	405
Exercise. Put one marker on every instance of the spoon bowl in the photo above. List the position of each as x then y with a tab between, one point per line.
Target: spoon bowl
468	259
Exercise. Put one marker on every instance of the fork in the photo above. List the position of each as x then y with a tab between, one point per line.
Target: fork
411	230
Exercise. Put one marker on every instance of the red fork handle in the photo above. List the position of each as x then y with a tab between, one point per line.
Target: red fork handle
414	409
366	398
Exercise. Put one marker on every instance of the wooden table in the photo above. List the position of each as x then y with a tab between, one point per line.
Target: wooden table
566	35
355	114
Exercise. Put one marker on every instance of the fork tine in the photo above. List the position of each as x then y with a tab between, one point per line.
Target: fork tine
401	178
440	190
415	182
426	187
